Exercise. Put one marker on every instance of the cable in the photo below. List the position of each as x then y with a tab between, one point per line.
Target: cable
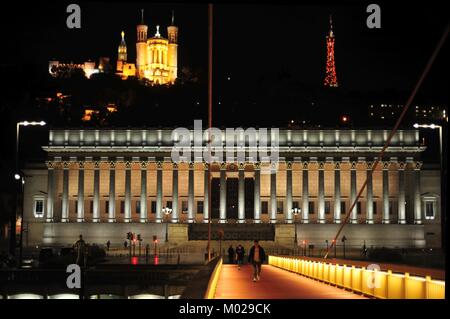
392	133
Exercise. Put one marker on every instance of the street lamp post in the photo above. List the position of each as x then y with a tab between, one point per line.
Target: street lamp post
22	183
343	243
139	238
20	178
155	242
443	176
167	211
296	211
221	234
334	244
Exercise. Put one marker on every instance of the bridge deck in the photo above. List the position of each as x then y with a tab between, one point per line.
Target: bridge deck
275	283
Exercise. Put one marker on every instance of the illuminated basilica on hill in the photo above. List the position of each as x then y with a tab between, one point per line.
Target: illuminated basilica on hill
156	57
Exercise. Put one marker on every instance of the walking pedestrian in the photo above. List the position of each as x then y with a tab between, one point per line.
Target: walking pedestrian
240	252
230	254
256	257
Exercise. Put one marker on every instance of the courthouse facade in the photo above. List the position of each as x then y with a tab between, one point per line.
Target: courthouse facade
104	183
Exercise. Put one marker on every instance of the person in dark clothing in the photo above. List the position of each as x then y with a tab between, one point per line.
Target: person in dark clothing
256	257
80	249
240	252
364	250
231	255
108	244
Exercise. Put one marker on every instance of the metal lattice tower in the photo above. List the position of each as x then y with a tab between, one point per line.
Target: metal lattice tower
330	74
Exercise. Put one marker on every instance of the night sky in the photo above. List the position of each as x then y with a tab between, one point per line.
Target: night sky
255	45
251	41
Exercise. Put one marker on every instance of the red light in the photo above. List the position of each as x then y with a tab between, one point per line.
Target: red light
156	260
156	241
134	260
304	242
334	241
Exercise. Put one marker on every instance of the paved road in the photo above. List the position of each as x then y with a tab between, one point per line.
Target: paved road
275	283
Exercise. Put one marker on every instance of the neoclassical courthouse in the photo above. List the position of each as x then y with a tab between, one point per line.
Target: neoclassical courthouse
105	183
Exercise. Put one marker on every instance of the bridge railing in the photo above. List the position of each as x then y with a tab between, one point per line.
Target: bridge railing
204	283
212	284
370	282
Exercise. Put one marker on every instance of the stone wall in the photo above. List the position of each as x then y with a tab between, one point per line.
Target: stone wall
99	233
376	235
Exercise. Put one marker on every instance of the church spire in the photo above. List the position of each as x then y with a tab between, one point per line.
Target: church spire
141	29
122	48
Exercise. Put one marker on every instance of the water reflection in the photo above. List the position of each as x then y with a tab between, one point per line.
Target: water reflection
183	259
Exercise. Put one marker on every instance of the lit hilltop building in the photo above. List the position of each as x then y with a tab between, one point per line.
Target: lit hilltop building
156	57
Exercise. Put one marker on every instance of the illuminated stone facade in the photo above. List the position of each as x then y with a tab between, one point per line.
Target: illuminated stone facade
126	177
156	57
88	67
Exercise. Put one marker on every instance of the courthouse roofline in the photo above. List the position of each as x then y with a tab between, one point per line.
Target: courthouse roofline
161	140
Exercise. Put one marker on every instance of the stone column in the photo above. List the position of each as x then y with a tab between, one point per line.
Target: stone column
354	216
417	200
337	192
369	202
159	192
112	193
206	193
273	196
127	218
175	216
223	193
96	199
289	192
191	218
143	206
386	217
65	194
257	194
241	196
305	193
50	192
80	199
401	194
321	196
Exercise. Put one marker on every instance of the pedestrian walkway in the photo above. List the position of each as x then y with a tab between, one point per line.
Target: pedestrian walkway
275	283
